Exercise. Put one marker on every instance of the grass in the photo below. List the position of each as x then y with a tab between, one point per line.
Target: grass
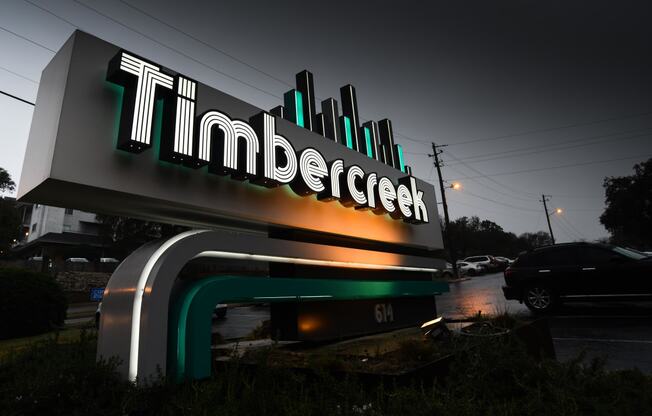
64	336
492	376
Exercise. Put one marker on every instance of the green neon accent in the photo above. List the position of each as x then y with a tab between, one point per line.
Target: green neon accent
348	133
189	331
298	98
119	92
367	137
157	128
293	101
400	157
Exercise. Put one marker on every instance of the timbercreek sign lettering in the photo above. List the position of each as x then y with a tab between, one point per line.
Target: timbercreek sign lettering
253	150
118	134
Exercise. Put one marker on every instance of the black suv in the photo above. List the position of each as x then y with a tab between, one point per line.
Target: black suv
546	276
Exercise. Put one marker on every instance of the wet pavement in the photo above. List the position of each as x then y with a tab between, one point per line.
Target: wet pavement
240	321
619	332
478	294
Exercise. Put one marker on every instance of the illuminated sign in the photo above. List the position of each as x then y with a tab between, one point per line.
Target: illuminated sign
254	150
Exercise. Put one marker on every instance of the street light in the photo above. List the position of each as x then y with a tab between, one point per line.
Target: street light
456	186
559	211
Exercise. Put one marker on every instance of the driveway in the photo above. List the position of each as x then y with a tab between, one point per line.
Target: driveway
619	332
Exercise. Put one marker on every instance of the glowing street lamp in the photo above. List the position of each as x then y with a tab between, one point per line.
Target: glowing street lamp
559	211
456	186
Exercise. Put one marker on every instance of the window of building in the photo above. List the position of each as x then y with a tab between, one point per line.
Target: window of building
69	211
34	226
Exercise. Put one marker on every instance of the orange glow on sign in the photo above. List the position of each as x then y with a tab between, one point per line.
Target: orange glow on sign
308	324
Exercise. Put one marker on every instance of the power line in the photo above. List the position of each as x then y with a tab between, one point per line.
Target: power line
509	188
16	98
498	191
593	162
26	38
190	57
249	65
554	147
18	75
572	227
208	45
568	126
501	203
568	231
544	199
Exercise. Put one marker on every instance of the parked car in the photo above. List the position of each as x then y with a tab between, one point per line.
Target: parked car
109	260
488	262
504	260
469	269
545	277
76	260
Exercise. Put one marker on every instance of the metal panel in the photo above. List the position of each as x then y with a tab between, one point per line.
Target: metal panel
89	173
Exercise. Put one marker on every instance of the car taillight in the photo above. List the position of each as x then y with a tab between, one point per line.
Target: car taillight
508	274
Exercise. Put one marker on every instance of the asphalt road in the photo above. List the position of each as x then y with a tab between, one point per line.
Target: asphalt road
240	321
621	333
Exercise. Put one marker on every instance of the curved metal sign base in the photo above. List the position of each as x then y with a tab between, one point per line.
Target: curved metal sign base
134	321
189	336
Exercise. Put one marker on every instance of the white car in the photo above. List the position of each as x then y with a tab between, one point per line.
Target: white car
76	260
469	269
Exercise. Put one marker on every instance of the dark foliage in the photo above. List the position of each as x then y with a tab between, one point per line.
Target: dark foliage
473	236
30	303
127	234
60	379
488	377
6	183
628	216
9	224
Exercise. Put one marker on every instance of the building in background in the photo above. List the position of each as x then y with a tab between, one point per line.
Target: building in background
58	235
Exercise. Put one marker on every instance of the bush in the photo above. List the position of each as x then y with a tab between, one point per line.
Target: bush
50	378
30	303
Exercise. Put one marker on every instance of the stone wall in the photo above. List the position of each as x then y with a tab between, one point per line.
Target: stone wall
82	281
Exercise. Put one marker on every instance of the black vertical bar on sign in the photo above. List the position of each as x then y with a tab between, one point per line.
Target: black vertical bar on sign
319	125
387	141
382	157
350	110
306	87
331	119
373	130
278	111
408	170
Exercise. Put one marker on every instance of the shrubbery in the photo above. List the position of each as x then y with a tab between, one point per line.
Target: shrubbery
488	377
30	303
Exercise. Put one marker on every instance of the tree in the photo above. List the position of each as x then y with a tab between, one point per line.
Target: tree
628	215
530	241
9	215
6	183
473	236
127	234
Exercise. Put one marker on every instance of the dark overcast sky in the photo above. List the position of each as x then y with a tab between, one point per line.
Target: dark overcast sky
471	74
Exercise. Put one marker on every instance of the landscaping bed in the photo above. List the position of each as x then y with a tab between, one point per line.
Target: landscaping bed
487	376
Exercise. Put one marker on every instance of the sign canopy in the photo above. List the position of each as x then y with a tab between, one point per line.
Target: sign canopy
116	133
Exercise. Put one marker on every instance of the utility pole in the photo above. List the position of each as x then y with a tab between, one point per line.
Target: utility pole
451	251
545	208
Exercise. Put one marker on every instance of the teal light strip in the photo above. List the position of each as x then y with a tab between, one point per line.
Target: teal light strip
298	104
189	331
367	137
400	157
348	133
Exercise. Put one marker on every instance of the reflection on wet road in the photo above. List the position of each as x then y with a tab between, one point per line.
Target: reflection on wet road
478	294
